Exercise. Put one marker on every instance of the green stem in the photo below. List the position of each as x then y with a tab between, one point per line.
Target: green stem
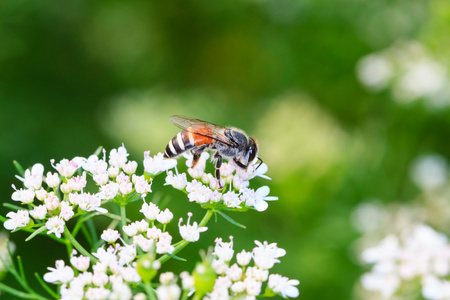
150	291
77	245
184	243
19	294
123	215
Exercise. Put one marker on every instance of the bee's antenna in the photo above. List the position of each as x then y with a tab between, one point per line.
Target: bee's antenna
261	161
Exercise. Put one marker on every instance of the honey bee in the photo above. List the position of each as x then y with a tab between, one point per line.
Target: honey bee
197	136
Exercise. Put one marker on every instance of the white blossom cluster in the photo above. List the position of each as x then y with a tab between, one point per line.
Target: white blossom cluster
131	252
420	253
64	193
204	187
410	71
245	280
110	277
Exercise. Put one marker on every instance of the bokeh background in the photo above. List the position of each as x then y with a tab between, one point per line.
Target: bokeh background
342	95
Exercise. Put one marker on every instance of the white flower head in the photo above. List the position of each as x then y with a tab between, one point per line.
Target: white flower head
178	181
165	216
283	285
118	157
52	179
190	233
157	164
39	212
61	273
25	196
17	219
95	166
110	235
150	211
266	255
67	168
224	251
33	179
81	263
55	225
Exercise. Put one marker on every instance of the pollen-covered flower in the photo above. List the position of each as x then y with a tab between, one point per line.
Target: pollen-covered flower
190	233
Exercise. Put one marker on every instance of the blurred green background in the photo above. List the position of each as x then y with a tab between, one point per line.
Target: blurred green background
335	125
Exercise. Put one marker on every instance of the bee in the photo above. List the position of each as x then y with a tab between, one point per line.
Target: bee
227	142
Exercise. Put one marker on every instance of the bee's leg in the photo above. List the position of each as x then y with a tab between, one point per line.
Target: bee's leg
218	165
197	153
239	164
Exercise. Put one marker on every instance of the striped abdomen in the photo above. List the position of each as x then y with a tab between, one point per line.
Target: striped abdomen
187	139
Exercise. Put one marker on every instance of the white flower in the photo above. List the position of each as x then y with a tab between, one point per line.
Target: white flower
101	179
129	274
41	194
429	172
113	172
109	191
39	212
258	199
130	167
66	211
33	178
243	258
52	201
168	292
265	255
61	273
17	219
52	180
25	196
231	199
90	202
130	229
190	233
252	286
435	288
143	243
164	216
187	281
118	157
375	71
55	225
81	263
178	181
97	293
67	168
234	273
157	164
199	193
284	286
109	235
224	251
120	291
95	166
150	211
77	183
141	185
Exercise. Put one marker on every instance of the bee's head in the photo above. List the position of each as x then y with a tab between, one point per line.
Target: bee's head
252	150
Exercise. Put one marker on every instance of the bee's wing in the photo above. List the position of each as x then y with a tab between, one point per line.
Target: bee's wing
215	133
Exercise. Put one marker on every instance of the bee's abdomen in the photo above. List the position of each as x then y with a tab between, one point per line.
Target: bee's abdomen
180	143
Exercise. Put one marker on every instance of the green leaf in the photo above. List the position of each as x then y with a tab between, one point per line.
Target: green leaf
12	206
230	219
36	232
19	168
175	257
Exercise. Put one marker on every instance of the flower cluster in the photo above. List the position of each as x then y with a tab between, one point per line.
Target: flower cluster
245	280
122	262
204	187
420	253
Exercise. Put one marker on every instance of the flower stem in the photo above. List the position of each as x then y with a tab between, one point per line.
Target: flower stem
77	245
184	243
123	215
150	291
